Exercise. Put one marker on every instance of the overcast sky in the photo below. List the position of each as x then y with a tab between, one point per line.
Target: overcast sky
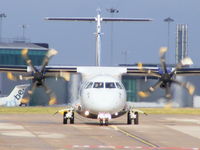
75	41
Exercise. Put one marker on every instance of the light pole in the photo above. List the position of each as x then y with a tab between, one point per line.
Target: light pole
168	20
24	26
2	15
112	11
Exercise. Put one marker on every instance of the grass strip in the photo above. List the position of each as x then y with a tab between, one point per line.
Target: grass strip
52	110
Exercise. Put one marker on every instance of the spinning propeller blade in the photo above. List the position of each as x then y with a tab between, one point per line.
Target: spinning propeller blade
38	76
166	78
24	53
48	56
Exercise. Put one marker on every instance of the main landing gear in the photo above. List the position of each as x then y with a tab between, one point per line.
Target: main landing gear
133	115
104	118
68	114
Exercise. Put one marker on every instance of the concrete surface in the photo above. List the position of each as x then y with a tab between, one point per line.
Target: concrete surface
46	132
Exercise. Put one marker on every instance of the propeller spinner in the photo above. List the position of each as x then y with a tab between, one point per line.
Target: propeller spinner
167	78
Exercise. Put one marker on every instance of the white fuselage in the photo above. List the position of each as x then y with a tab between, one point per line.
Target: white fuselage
103	94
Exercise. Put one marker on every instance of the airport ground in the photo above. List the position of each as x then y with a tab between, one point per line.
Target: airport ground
44	131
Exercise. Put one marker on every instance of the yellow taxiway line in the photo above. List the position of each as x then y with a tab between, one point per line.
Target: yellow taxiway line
133	136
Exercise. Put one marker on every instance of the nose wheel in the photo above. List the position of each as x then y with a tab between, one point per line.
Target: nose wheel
104	118
104	122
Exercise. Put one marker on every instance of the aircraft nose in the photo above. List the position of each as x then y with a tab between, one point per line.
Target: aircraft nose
106	101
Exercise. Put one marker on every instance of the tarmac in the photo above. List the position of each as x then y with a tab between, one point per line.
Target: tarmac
46	132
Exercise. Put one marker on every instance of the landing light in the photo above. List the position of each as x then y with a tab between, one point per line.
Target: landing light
87	113
116	114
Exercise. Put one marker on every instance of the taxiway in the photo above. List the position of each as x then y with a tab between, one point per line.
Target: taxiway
46	132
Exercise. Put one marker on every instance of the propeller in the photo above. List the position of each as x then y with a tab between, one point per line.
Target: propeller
38	76
167	78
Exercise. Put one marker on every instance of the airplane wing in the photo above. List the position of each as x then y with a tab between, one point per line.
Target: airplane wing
156	71
19	69
188	71
165	77
133	71
57	69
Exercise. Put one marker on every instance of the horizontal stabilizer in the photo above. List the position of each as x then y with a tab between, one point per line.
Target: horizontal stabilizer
71	19
127	19
94	19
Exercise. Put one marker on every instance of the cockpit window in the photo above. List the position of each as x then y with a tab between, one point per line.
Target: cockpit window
118	85
89	85
110	85
98	85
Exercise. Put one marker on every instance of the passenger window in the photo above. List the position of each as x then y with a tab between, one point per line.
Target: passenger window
110	85
89	85
118	85
98	85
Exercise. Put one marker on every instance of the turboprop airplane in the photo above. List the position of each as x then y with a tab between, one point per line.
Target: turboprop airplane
15	97
102	94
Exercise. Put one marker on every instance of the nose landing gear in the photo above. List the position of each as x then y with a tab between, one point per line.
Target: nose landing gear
104	118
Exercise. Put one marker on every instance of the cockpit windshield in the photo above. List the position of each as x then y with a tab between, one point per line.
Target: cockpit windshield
89	85
110	85
118	85
107	85
98	85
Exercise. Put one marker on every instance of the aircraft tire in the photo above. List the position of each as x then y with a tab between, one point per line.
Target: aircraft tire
106	122
101	122
136	119
129	120
64	119
72	119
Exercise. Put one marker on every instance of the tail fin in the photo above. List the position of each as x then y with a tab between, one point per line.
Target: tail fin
15	97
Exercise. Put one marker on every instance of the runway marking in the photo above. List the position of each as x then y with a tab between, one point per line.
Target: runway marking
134	137
18	133
10	126
126	147
49	135
9	129
24	133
